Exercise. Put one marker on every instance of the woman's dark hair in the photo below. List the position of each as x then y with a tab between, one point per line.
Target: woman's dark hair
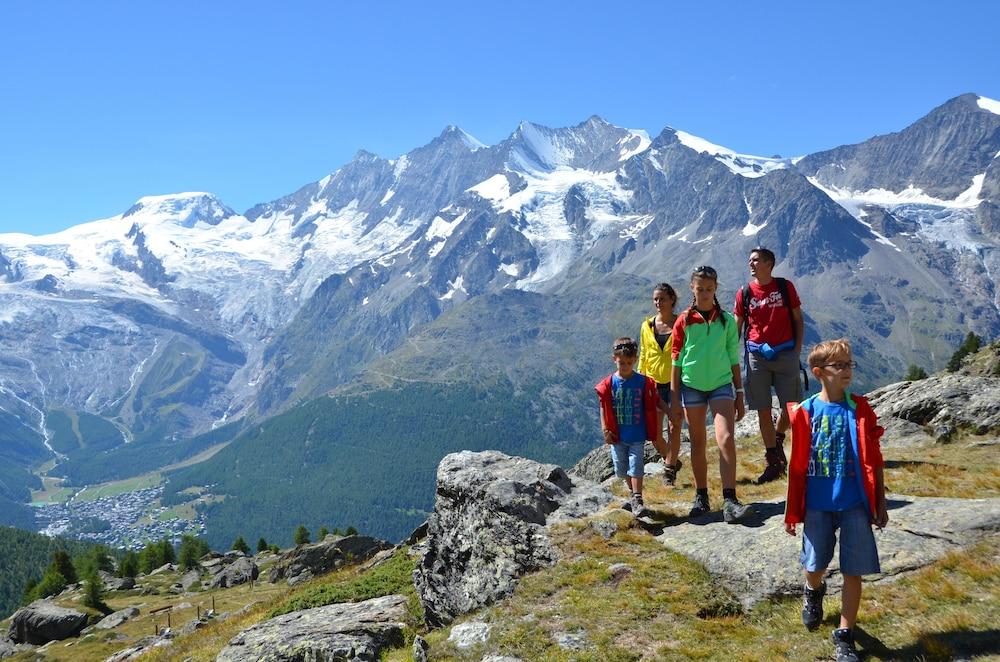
665	287
711	274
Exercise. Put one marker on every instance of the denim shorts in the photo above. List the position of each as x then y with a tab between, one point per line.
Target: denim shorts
692	397
664	391
627	459
858	553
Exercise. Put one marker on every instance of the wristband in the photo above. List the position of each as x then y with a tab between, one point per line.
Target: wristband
740	390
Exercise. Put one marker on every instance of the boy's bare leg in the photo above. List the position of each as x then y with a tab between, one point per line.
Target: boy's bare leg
723	412
674	448
636	482
696	428
850	600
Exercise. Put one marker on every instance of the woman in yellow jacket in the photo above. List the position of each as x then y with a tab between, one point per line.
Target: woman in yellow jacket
655	361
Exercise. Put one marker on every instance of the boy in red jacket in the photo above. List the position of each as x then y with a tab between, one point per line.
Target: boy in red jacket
628	418
835	482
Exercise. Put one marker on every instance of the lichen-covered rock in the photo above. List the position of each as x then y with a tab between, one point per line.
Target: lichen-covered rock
489	528
760	560
240	571
328	554
42	621
117	618
348	631
935	408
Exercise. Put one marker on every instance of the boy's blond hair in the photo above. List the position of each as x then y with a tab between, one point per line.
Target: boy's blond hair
828	350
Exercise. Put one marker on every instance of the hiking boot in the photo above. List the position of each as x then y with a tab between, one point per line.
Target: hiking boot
776	465
699	506
638	507
670	472
843	642
812	606
734	512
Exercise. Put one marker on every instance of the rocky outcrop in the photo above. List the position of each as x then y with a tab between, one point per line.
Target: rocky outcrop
489	528
935	408
597	466
117	618
328	554
42	622
112	583
358	631
760	560
240	571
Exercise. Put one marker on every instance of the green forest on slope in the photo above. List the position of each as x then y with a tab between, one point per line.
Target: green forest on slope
25	556
369	460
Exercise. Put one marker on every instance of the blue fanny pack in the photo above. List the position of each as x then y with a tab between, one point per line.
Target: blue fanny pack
767	351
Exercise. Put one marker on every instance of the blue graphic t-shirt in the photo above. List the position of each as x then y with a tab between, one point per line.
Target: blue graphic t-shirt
833	482
626	398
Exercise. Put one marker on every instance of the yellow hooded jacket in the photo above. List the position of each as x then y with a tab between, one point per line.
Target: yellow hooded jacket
653	361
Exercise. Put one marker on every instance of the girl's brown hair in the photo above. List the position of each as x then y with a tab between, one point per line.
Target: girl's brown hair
711	274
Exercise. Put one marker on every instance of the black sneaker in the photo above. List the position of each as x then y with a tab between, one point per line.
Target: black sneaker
699	506
733	511
670	472
812	606
843	642
771	472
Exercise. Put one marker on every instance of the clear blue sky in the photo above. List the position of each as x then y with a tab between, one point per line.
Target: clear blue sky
104	102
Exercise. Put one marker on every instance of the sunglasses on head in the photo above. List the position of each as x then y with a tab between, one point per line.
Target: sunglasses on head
627	348
705	271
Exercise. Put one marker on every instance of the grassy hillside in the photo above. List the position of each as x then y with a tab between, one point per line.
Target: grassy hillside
369	459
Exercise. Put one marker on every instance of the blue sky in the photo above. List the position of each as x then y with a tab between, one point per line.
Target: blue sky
104	102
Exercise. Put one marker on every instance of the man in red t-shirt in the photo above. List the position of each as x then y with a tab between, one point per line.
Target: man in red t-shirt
773	338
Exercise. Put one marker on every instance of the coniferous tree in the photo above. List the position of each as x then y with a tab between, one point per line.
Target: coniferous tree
129	566
93	591
191	550
915	373
261	545
64	566
240	545
351	531
970	345
301	535
52	583
323	533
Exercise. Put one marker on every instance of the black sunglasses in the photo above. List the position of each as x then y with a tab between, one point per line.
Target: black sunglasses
705	271
627	347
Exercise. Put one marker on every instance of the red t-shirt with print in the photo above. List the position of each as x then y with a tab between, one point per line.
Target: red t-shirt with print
770	322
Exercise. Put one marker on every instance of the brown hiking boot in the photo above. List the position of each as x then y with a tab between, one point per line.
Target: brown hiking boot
775	468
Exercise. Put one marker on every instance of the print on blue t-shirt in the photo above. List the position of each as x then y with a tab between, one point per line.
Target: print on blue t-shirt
626	396
832	482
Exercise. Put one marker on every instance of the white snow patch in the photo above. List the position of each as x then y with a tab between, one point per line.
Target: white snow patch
510	269
470	141
641	140
745	165
746	203
440	228
436	248
991	105
364	302
456	285
750	229
490	234
387	197
910	195
633	231
496	188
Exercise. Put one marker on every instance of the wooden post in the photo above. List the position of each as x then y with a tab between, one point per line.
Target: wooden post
199	612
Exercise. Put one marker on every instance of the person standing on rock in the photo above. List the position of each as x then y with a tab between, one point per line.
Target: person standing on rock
655	361
769	316
706	374
628	404
835	482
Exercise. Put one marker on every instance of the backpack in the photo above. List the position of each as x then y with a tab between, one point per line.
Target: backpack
785	300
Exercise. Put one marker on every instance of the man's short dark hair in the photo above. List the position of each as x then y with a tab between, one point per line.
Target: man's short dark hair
765	253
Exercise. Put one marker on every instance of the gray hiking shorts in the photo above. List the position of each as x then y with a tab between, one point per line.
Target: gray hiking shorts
780	373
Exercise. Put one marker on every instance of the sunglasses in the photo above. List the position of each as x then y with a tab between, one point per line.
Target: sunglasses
626	348
839	365
705	271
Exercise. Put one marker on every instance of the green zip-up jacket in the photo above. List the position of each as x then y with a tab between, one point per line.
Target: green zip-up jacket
706	352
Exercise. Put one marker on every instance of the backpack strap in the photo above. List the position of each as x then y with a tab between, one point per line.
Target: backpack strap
745	300
786	300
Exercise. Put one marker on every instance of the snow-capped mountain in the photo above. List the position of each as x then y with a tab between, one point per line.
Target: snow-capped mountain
180	314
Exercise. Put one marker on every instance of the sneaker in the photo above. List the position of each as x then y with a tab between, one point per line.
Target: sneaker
670	472
699	506
812	606
843	642
733	511
771	472
627	505
638	507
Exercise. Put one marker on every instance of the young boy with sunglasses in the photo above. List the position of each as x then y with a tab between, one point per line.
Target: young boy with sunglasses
628	402
835	481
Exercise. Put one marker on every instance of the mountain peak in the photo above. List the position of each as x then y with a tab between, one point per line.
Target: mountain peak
185	209
455	133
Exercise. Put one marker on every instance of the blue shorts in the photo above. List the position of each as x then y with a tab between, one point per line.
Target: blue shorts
692	397
627	459
858	554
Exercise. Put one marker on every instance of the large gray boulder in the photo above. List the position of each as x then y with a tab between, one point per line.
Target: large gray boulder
760	561
240	571
117	618
489	528
112	583
347	631
328	554
42	621
935	408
